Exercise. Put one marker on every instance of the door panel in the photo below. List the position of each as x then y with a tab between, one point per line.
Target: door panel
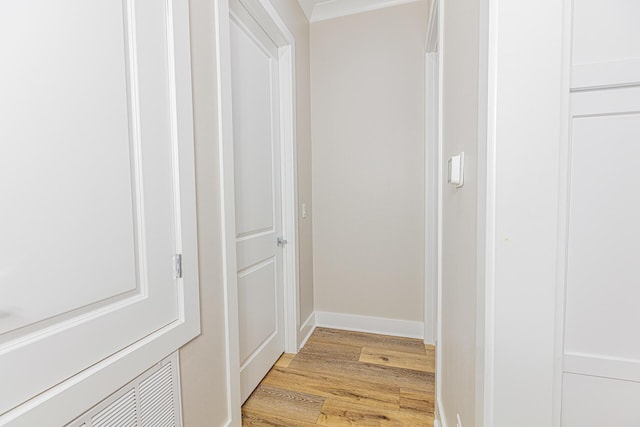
603	237
254	69
601	353
87	182
48	155
257	315
616	402
253	146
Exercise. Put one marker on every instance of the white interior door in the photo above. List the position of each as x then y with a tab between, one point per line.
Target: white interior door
87	182
258	205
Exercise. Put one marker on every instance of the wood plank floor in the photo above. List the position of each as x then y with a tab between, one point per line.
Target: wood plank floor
343	378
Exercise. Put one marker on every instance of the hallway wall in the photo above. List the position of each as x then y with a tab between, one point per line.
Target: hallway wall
203	361
367	85
459	46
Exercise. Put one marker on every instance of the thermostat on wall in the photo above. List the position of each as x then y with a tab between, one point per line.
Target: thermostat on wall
456	170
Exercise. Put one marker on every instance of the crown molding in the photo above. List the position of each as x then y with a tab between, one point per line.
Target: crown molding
307	7
323	10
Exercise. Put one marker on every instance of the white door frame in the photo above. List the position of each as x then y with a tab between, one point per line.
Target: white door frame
268	18
432	172
433	188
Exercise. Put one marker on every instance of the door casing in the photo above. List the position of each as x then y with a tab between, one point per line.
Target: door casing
265	14
433	190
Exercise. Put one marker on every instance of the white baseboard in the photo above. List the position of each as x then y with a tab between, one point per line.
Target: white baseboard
375	325
439	415
306	330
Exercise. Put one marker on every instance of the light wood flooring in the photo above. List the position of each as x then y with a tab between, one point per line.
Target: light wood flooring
343	378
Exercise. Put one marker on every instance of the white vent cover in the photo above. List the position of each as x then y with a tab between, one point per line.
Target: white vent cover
151	400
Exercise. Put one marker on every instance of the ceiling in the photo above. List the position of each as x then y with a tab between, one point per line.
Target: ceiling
319	10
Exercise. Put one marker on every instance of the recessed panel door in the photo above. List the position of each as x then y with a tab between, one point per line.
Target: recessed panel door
87	167
257	197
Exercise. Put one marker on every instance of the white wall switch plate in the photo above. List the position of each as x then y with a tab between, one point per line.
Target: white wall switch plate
456	170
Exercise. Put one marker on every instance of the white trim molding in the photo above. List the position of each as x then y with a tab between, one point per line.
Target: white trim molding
433	282
440	418
485	261
602	366
307	7
229	265
432	161
605	74
374	325
320	10
306	330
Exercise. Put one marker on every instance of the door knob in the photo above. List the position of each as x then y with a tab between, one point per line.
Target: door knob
282	242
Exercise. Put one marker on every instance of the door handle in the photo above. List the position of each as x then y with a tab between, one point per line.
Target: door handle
282	242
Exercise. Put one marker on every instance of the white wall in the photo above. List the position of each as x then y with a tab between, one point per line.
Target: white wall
526	111
367	90
202	361
502	106
459	52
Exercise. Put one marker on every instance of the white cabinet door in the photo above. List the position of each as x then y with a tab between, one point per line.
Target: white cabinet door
601	361
254	67
89	218
601	349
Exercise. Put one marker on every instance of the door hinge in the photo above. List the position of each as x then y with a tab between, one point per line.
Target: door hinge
177	266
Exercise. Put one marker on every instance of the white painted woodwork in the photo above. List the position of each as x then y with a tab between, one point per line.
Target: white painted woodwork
96	182
604	234
273	25
320	10
521	110
47	209
373	325
602	366
601	315
433	148
593	401
258	199
606	47
601	353
605	31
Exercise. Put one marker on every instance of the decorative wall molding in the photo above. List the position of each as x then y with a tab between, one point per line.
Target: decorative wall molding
375	325
306	330
605	74
614	101
602	366
307	7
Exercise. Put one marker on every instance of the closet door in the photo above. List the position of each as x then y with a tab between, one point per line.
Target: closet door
89	184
